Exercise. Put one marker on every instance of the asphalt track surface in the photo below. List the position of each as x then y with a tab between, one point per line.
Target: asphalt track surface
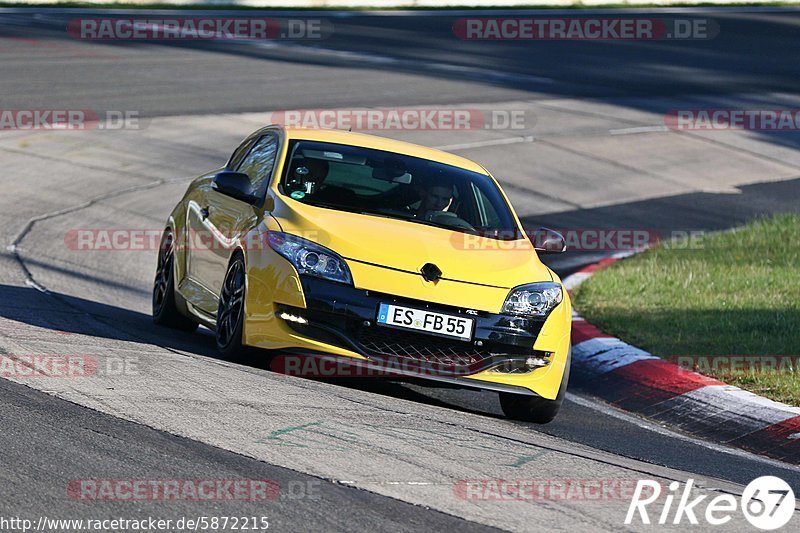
359	455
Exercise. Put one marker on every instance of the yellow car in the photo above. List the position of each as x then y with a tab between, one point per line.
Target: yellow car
386	254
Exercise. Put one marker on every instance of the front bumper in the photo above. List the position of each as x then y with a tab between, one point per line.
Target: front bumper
345	317
337	312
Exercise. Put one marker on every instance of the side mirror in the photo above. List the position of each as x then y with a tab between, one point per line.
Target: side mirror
547	241
236	185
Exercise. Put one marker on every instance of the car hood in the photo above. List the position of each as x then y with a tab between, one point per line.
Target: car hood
407	246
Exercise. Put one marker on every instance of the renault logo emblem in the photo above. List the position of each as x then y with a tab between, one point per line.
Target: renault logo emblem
430	272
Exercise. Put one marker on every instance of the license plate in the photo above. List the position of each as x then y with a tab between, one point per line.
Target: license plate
436	323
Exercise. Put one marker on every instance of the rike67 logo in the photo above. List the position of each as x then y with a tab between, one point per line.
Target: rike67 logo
767	502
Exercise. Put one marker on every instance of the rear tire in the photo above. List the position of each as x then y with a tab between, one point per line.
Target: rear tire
230	312
535	408
165	308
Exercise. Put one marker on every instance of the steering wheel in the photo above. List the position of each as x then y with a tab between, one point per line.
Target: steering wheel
446	218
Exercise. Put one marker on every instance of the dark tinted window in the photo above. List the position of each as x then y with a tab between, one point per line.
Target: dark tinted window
260	161
239	153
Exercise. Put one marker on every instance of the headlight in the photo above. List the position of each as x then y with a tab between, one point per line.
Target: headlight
309	258
534	299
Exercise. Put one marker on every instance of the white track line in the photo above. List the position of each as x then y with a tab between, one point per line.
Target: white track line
640	129
492	142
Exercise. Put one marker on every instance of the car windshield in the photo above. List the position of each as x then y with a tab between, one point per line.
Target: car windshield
375	182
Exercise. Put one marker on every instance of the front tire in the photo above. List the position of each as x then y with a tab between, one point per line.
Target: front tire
535	408
230	312
165	308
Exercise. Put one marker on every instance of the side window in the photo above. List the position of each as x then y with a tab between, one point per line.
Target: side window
486	211
259	162
239	153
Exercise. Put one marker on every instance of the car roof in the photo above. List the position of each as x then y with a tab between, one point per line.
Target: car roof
382	143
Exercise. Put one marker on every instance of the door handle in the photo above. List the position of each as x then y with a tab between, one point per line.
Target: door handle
204	212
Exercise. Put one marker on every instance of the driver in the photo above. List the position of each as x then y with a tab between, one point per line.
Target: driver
435	197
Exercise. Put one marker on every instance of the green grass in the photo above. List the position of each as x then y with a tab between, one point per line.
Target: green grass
733	293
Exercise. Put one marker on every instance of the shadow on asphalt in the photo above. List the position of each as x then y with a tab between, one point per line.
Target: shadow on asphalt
691	212
73	315
61	313
747	56
696	211
668	216
748	53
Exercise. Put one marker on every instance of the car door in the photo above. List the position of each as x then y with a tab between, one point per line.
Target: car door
218	220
